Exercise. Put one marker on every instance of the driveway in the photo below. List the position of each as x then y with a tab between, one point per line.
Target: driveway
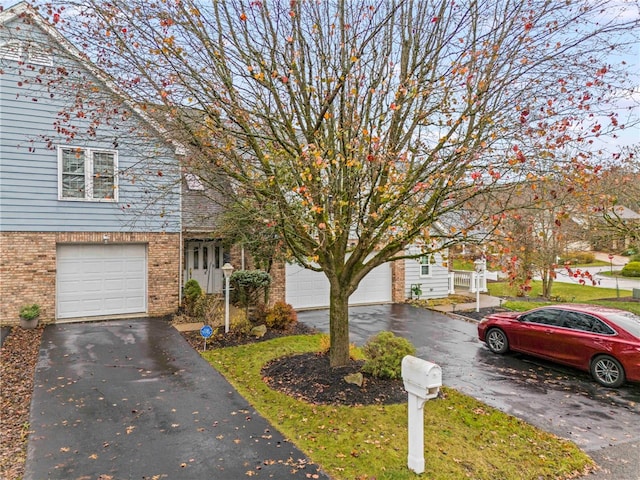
130	399
560	400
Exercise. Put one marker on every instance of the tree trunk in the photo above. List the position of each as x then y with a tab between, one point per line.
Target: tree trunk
339	327
547	283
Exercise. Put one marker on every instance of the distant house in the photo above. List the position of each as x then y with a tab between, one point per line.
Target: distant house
90	210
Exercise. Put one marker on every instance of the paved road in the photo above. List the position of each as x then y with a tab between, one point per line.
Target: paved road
560	400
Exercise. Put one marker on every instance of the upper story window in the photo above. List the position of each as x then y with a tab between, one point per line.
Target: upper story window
87	174
29	52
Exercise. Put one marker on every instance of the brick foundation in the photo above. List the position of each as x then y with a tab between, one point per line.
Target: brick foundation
28	269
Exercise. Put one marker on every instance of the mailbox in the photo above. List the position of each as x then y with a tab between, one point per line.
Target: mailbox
421	378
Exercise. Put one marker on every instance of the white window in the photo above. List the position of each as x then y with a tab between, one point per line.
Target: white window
425	265
87	174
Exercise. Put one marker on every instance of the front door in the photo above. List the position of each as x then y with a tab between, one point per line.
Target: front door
203	262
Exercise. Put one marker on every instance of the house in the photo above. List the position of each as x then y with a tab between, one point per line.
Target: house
90	205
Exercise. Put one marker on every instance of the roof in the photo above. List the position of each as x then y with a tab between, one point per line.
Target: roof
23	9
202	206
624	213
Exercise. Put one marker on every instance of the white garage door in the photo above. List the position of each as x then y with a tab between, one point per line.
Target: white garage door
309	289
97	280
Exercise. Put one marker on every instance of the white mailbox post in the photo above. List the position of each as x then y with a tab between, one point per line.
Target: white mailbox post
422	381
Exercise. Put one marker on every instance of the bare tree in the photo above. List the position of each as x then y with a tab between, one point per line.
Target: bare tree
353	126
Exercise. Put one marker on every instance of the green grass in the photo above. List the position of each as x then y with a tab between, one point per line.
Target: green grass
463	437
566	292
569	291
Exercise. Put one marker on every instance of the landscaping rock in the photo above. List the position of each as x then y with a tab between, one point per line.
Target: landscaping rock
354	379
259	331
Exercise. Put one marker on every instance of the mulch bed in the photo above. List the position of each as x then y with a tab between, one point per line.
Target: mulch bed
19	356
309	377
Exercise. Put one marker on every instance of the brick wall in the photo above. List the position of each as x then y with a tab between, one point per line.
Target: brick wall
397	282
278	279
28	269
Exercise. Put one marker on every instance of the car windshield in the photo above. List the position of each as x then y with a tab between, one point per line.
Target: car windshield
629	321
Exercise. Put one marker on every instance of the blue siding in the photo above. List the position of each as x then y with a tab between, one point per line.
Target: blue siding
148	201
435	285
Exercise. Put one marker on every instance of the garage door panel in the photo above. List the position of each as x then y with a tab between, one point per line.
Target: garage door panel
308	289
101	280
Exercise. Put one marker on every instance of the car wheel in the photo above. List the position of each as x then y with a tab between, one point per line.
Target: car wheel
607	371
497	341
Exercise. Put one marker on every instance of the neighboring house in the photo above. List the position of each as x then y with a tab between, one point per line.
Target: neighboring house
609	230
307	289
426	277
90	217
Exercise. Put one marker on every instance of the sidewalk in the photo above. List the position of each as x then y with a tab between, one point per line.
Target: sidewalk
486	301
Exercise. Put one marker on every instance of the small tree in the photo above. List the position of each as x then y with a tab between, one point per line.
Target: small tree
248	286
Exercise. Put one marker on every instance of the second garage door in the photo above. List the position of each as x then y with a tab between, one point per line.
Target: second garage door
96	280
309	289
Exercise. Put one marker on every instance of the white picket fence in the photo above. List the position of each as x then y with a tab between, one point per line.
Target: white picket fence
468	280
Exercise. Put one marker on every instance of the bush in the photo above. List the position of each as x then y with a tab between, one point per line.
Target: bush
579	258
635	258
258	316
29	312
239	323
631	269
384	353
192	292
248	285
209	309
280	316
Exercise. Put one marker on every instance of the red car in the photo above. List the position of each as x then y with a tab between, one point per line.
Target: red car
601	340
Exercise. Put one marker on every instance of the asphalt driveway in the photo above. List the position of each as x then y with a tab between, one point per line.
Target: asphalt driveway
560	400
132	400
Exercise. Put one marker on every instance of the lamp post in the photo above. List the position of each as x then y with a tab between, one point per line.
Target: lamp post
227	270
479	265
611	264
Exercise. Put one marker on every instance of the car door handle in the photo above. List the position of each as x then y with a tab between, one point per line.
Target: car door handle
548	331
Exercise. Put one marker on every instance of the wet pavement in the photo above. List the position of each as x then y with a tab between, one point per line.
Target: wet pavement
560	400
130	399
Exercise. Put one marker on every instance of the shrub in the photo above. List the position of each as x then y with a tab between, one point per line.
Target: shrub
240	323
579	258
631	269
209	309
192	292
280	316
635	258
258	315
384	353
248	285
29	312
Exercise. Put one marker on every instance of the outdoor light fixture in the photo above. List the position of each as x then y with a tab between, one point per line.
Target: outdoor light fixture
227	270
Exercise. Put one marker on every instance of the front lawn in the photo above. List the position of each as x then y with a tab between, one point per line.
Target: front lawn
463	437
565	293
